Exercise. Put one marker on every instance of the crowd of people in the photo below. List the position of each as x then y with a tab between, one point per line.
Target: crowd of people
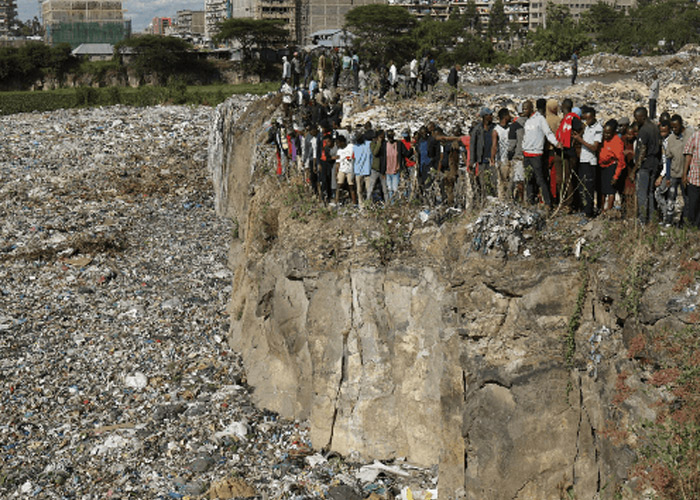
550	154
306	76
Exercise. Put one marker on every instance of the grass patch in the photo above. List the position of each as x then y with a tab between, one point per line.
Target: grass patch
49	100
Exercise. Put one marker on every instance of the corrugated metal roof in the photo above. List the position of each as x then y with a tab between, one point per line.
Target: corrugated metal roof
93	49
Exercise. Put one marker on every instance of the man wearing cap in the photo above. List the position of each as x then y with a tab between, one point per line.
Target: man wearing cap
536	130
481	144
622	126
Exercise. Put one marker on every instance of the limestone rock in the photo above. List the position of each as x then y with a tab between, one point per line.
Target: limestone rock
231	488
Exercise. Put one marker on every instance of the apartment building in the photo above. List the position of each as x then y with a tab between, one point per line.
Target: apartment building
538	9
529	14
190	22
84	21
215	12
8	12
160	25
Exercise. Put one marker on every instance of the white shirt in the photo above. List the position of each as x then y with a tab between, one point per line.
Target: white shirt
286	93
536	129
654	89
345	159
502	149
664	147
393	74
413	68
591	135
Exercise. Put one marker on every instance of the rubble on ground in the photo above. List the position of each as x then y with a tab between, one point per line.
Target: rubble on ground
612	100
503	228
682	67
117	381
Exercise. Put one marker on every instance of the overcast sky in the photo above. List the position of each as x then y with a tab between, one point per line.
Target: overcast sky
141	12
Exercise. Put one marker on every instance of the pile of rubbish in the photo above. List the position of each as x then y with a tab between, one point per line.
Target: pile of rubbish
682	67
611	100
116	380
503	228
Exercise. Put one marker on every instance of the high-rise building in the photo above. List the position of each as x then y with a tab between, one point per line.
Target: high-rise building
84	21
528	14
190	22
215	12
8	12
301	17
538	9
327	14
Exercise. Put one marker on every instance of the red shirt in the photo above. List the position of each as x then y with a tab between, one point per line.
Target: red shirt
612	153
408	145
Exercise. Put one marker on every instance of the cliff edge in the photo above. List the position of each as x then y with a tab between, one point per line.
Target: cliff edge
489	343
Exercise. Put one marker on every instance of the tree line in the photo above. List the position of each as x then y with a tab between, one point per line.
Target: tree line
161	59
383	32
390	32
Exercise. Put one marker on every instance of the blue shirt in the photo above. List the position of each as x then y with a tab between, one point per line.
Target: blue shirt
363	158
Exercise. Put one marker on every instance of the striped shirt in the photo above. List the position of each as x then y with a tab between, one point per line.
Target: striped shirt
692	148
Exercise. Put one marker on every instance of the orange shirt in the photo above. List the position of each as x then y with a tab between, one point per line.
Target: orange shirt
612	153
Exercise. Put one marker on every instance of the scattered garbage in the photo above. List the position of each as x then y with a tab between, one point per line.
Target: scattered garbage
594	354
501	227
116	378
579	246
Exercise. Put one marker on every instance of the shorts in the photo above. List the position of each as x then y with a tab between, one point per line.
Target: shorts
342	177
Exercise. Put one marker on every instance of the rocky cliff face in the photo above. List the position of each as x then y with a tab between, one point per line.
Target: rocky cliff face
497	367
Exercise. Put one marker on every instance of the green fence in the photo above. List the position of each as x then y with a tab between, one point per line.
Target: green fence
88	32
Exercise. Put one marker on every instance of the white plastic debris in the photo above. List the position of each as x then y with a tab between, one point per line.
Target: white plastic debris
136	381
234	429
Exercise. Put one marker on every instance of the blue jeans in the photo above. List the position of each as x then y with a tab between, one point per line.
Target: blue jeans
392	185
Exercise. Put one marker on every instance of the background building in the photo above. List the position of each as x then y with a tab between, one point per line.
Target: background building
216	11
84	21
190	22
530	14
538	9
320	15
301	17
8	12
160	25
